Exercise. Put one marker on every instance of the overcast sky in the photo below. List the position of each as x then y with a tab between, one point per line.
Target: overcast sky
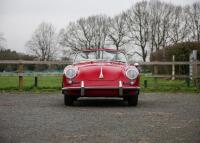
19	18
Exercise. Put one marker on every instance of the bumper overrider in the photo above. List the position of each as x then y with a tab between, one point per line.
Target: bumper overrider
121	90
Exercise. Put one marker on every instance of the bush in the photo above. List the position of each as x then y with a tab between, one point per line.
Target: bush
181	51
7	54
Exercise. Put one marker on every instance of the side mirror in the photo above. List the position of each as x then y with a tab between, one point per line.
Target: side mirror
136	65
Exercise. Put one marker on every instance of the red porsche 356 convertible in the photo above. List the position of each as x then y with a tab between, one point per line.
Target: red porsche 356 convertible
100	73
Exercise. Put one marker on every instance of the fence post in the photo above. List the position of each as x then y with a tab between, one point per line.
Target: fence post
145	83
195	72
173	67
36	81
155	78
193	57
21	75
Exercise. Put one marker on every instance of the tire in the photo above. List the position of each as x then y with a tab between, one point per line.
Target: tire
133	100
68	100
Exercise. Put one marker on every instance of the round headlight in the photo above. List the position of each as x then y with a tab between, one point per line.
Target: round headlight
132	73
70	72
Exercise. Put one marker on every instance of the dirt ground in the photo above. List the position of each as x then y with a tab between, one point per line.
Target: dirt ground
43	118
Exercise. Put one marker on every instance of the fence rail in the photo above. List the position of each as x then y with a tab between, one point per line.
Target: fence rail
17	62
195	66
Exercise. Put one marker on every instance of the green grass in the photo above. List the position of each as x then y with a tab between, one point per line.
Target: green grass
164	85
49	84
45	83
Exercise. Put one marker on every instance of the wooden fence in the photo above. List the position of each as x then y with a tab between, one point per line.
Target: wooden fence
195	66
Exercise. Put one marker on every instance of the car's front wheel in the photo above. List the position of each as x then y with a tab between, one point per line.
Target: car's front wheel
133	100
68	100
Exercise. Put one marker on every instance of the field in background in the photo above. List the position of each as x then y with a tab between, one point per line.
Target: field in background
45	83
53	83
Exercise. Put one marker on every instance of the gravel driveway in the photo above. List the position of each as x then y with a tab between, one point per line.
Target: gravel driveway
43	118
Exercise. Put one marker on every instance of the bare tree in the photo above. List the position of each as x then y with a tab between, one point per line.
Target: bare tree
138	25
71	37
179	29
150	25
193	14
86	27
2	42
100	31
88	32
43	43
160	20
118	31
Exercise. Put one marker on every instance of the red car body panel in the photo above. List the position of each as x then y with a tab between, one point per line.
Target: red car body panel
88	81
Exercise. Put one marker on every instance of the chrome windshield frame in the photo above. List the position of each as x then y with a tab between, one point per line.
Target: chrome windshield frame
100	60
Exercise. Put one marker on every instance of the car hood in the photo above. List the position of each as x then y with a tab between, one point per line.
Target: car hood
99	71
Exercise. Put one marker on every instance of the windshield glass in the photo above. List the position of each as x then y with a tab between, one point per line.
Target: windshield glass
100	56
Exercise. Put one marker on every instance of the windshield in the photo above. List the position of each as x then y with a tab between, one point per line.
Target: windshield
100	56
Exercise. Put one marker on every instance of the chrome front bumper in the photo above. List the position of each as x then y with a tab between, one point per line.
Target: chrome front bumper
82	89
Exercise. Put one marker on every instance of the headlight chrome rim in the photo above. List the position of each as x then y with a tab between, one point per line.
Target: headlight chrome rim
134	76
70	72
